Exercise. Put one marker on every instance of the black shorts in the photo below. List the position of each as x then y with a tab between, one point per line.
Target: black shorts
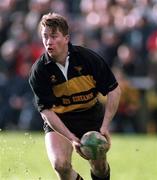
81	122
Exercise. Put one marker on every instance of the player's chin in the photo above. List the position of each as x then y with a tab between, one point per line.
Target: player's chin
50	54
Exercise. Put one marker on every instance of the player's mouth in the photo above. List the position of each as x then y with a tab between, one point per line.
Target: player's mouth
50	49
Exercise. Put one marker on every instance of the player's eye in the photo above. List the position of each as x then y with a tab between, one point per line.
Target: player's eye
45	36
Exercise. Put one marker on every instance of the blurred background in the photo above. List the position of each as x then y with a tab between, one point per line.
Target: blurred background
124	32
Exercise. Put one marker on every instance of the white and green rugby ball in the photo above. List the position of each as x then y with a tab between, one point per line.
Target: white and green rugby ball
94	145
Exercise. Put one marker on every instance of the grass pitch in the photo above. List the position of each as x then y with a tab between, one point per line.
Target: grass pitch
23	157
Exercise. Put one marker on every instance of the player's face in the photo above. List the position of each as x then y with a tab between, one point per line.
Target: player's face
55	43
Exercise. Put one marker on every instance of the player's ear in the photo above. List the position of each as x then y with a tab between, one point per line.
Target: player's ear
67	38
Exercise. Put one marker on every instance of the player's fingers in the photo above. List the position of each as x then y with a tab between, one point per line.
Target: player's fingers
78	150
77	147
108	138
76	144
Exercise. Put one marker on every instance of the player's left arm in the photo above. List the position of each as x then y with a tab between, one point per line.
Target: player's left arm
111	106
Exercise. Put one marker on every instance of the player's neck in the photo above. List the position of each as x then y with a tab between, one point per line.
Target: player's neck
62	58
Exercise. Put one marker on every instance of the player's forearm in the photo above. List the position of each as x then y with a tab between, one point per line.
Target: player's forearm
111	107
56	124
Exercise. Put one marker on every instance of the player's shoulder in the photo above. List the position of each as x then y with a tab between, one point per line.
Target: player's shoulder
87	53
37	68
38	64
82	49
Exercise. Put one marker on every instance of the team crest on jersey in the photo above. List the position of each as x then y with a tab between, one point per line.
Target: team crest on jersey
53	78
78	69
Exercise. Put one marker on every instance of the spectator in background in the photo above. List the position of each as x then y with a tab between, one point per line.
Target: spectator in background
110	41
130	62
152	94
15	89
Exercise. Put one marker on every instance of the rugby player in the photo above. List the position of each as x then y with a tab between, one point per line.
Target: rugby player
66	80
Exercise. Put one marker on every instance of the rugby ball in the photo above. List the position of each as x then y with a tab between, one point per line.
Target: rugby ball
94	145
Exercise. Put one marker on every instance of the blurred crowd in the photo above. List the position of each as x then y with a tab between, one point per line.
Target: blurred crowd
124	32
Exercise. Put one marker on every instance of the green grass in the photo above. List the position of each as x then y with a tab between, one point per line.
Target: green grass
23	157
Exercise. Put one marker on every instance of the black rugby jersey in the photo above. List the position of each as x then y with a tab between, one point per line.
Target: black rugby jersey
87	75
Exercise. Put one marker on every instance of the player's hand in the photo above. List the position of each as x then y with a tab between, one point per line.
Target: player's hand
105	132
77	146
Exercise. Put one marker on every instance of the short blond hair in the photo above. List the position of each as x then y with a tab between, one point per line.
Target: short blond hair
54	21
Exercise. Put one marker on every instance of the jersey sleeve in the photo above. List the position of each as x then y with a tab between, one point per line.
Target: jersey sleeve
105	79
102	74
44	98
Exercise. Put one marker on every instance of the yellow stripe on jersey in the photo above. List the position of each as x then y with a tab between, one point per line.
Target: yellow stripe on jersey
62	109
74	86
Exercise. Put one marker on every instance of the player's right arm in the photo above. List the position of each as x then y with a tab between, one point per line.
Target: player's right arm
57	125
